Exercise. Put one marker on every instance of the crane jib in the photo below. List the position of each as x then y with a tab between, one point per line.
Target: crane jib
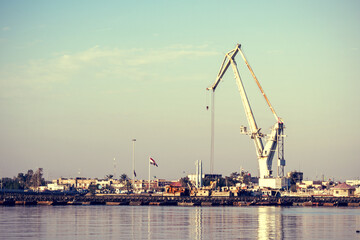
265	153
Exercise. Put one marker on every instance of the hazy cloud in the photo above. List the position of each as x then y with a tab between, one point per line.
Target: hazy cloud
94	63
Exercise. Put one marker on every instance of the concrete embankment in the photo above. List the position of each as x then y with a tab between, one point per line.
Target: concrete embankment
10	199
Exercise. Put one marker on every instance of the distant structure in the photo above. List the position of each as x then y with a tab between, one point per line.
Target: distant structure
114	168
198	175
296	176
194	177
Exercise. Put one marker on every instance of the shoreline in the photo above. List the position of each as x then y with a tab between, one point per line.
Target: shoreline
12	199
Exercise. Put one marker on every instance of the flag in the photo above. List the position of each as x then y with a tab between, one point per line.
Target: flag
152	162
134	173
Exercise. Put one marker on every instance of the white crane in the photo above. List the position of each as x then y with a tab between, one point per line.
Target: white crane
274	142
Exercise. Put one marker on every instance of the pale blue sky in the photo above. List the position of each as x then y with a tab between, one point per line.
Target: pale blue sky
79	80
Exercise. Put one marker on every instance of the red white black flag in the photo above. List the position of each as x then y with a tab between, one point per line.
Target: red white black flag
152	162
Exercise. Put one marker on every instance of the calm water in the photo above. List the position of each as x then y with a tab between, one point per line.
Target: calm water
156	222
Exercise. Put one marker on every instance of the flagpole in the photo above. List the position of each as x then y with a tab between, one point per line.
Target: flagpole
133	162
149	174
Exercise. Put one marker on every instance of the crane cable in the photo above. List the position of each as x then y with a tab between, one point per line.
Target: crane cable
212	133
258	84
207	99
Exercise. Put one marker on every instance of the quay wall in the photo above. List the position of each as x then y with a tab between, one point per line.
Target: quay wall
12	198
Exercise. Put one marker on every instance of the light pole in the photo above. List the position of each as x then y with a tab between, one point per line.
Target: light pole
133	161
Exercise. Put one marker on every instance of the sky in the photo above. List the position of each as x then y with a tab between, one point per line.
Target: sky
80	79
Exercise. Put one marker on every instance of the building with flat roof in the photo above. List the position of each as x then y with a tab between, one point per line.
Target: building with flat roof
353	182
343	190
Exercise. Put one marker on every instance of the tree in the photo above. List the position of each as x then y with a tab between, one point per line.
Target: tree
221	182
109	176
234	176
28	178
37	179
125	180
129	186
123	177
184	181
22	179
229	181
8	183
25	181
210	179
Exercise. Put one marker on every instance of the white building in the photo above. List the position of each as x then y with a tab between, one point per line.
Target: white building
55	187
343	190
353	182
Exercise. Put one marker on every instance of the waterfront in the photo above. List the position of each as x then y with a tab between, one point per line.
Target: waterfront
157	222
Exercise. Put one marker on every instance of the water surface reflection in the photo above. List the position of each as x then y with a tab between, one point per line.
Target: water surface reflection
157	222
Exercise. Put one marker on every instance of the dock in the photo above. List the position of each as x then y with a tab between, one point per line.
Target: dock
12	199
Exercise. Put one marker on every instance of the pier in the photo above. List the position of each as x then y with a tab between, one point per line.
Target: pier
10	198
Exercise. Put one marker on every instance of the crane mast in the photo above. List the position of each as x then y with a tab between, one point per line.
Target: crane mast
265	153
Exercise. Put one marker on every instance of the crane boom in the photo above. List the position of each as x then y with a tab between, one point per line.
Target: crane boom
264	154
224	66
257	82
255	131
